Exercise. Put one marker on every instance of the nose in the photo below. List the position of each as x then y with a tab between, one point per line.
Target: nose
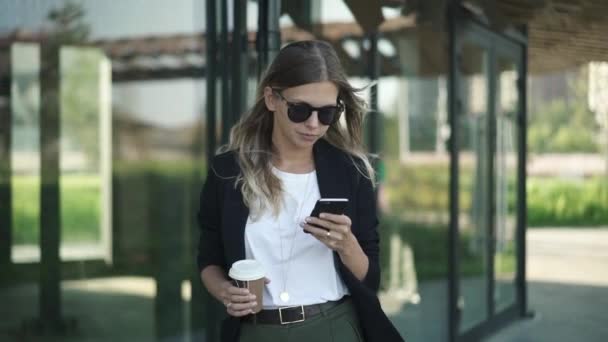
313	120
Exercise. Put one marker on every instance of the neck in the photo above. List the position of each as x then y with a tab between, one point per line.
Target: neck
293	159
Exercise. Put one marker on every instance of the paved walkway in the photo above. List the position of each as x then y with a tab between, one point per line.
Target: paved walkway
568	287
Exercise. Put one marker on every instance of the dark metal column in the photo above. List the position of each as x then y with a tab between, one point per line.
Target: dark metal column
202	326
374	119
490	180
5	168
240	61
211	74
167	227
522	211
268	41
454	108
50	218
224	58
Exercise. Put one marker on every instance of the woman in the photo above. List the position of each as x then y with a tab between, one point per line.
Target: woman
301	141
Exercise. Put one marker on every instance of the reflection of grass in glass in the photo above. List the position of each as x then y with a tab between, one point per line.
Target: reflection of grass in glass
426	187
504	264
422	187
430	247
551	201
79	209
26	209
430	251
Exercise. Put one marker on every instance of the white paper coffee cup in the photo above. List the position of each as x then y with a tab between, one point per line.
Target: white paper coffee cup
246	270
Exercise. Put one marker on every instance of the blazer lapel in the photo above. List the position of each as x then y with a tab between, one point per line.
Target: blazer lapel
235	215
331	173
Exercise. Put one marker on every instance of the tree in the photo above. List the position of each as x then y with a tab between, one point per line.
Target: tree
565	127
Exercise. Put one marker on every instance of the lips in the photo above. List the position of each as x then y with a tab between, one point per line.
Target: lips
308	136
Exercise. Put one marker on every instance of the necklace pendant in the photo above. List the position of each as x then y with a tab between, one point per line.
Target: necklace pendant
284	296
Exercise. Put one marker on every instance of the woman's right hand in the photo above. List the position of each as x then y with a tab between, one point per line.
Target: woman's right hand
238	301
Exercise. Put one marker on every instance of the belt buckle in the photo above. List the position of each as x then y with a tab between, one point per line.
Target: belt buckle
290	307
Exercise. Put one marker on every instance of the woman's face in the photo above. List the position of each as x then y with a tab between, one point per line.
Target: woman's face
304	134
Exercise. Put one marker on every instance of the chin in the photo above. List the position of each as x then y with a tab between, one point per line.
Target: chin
306	142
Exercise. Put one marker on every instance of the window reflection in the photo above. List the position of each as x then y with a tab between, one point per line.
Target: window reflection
505	166
25	107
413	170
414	191
474	187
131	97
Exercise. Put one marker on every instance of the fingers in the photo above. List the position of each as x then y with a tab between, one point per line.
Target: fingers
331	230
239	301
241	308
337	231
242	298
233	290
338	219
239	313
234	294
321	233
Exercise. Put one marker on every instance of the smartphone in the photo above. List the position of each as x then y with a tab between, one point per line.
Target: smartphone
329	205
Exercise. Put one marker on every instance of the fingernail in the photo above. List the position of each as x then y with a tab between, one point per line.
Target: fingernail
322	216
254	304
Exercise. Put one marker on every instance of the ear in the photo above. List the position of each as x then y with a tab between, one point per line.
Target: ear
270	99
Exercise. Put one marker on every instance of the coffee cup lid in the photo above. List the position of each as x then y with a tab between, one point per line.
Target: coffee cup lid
246	270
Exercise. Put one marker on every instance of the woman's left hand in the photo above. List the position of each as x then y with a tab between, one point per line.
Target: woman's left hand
337	234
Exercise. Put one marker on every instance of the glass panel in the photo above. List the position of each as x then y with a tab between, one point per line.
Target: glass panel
25	148
25	107
505	166
473	187
413	192
413	171
83	109
132	94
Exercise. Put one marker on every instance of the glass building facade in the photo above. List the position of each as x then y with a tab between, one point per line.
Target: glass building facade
110	111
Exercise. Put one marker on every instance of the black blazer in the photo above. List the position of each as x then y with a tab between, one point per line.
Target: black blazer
223	215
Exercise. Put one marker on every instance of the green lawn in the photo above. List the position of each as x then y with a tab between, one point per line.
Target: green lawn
79	208
551	201
559	202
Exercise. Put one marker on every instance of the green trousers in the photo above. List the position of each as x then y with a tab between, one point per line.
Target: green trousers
338	324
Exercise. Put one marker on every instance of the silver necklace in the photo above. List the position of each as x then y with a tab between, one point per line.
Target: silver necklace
284	295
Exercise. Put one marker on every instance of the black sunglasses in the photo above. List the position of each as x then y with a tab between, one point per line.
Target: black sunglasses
301	111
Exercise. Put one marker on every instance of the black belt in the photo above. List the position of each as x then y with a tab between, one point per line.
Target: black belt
291	314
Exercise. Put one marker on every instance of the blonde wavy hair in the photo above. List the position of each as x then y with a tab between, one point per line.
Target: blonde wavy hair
296	64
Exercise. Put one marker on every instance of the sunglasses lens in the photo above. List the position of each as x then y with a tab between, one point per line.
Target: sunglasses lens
299	112
328	115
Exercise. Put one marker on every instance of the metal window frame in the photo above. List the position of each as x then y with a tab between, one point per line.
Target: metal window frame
50	194
6	195
461	25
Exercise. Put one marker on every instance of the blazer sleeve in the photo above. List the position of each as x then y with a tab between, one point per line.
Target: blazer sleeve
367	232
210	246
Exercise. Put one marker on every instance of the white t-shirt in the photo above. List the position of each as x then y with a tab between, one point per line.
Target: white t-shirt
306	269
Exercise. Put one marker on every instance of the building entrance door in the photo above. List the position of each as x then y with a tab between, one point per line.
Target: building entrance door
489	75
